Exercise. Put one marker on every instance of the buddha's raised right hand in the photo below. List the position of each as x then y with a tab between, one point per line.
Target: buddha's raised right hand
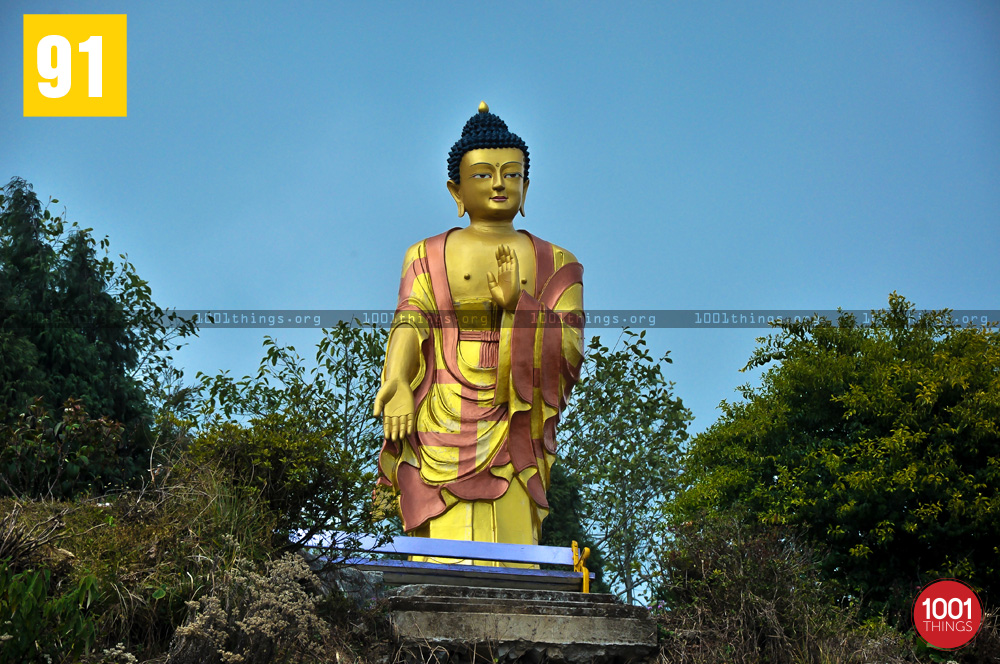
395	398
506	286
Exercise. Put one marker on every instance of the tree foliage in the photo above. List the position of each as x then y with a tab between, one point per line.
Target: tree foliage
74	324
564	524
303	437
37	622
881	443
60	457
622	438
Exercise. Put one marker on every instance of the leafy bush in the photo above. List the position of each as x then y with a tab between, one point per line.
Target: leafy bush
59	457
304	439
880	442
740	594
168	545
36	626
150	550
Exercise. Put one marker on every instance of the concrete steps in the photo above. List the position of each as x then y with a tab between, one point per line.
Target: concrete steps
458	625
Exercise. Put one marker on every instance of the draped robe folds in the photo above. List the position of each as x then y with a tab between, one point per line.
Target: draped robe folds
487	400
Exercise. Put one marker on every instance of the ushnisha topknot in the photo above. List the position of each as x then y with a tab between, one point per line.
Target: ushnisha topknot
484	130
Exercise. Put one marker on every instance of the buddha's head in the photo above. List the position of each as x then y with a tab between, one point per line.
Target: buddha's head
488	169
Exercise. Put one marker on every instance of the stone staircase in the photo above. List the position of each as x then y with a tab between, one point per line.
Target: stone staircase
462	625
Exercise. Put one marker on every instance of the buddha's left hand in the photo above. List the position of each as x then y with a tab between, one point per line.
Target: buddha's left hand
506	286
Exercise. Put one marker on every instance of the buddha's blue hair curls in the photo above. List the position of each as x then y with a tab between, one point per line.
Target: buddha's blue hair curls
484	130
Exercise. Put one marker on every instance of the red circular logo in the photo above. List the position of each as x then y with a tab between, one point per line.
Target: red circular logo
947	614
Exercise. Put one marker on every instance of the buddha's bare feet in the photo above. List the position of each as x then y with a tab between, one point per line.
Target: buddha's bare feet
505	287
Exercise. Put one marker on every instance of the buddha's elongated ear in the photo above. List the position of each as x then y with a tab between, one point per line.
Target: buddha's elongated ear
524	194
457	195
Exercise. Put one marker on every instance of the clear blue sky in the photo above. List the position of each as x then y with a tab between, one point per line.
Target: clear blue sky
791	155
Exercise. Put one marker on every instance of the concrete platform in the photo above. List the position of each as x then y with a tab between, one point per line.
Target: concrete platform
486	625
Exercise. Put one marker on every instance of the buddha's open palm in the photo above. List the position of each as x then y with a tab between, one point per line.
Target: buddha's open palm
395	398
505	287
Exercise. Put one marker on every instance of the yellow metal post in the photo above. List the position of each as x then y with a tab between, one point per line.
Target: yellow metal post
579	564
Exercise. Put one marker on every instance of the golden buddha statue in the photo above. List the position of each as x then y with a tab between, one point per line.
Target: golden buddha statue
485	346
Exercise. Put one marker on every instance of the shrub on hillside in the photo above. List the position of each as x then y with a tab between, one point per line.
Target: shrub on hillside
878	441
149	551
256	618
740	594
303	438
60	455
40	621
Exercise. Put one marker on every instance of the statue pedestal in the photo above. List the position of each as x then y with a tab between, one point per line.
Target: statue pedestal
486	625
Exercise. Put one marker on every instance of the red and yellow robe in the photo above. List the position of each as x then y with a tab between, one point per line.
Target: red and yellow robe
487	401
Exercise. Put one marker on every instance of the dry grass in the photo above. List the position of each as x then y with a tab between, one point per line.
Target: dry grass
746	596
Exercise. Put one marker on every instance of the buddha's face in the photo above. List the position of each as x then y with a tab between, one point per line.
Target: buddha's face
492	186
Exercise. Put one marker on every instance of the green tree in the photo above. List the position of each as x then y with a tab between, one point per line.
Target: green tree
77	325
564	524
27	260
622	438
303	437
880	443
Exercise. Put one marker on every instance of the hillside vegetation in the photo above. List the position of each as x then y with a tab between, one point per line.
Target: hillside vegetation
145	517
